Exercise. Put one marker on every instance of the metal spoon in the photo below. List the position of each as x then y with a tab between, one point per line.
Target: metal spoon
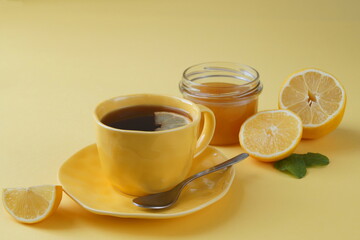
166	199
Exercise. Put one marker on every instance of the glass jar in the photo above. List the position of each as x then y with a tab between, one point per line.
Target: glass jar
230	90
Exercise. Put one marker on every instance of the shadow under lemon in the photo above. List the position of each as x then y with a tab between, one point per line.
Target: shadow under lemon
335	145
341	140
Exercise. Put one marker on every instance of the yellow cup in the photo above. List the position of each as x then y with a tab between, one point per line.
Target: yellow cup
143	162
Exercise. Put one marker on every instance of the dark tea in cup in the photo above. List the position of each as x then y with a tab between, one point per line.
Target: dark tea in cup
146	118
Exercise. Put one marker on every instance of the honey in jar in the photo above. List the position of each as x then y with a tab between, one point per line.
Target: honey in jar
230	90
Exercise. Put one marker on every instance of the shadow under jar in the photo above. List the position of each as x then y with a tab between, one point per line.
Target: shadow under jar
230	90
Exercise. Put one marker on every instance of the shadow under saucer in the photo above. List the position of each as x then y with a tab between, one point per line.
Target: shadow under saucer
84	182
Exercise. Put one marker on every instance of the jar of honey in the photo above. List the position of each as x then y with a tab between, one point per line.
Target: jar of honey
230	90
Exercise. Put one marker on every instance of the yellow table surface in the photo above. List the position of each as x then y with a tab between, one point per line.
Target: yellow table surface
58	59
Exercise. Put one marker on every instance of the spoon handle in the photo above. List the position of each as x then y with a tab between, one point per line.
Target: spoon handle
215	168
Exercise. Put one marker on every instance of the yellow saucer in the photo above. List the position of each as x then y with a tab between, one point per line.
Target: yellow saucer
83	181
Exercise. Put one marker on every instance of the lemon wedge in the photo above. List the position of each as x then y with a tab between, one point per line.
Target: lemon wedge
32	204
169	120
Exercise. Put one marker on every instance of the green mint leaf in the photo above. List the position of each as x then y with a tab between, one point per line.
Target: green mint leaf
294	164
315	159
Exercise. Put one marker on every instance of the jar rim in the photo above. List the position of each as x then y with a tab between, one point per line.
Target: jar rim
240	72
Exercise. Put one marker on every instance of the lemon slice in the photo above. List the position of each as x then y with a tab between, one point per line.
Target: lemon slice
317	97
271	135
32	204
169	120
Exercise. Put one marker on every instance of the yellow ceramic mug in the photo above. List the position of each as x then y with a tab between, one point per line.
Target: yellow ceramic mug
143	162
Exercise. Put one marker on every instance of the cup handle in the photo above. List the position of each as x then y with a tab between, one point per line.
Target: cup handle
207	131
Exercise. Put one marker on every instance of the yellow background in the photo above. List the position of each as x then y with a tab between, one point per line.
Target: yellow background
58	59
